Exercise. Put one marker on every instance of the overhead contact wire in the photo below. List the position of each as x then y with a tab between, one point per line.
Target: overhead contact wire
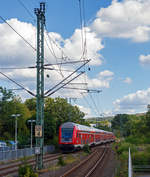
18	84
17	33
28	11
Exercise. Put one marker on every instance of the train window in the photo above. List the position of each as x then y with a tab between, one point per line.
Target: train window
66	132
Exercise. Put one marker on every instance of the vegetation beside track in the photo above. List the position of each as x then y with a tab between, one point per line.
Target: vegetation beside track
26	170
132	131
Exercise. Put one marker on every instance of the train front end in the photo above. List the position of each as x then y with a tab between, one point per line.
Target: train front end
67	137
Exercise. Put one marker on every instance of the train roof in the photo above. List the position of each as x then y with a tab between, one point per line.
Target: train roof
82	127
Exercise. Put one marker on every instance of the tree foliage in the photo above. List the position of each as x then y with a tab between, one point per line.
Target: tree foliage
120	122
56	112
132	127
11	104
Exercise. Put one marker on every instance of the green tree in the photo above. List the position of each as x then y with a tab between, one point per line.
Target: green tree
11	104
147	121
120	123
31	104
58	111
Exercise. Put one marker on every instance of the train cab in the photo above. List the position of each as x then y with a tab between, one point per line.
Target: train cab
66	138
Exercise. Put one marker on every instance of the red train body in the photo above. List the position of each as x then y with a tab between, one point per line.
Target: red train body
74	136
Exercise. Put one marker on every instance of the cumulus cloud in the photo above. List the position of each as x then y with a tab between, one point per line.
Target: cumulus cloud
144	59
73	46
16	53
127	80
86	110
135	102
125	19
106	73
102	80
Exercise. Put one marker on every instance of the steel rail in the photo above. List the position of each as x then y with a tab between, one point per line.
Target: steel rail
89	173
97	163
77	166
13	168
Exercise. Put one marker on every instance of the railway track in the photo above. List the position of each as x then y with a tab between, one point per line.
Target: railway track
12	168
87	167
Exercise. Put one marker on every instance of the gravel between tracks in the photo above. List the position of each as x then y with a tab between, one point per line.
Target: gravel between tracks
108	170
111	165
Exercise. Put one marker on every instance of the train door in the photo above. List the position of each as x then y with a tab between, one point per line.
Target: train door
81	138
94	138
77	138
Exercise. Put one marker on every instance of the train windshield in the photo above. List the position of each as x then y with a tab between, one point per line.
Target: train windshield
66	134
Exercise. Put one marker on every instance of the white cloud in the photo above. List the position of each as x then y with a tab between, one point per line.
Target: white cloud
73	46
102	80
144	59
127	80
132	103
106	73
16	53
86	110
126	19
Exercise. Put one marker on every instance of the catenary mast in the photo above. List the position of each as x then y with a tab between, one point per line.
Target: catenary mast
39	128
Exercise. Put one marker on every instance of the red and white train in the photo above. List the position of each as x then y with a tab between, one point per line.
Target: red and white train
74	136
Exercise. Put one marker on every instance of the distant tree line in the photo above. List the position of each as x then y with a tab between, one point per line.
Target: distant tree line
135	129
56	112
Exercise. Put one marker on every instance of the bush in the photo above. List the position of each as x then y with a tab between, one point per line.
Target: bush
124	156
124	147
148	149
86	148
61	161
26	170
136	140
141	158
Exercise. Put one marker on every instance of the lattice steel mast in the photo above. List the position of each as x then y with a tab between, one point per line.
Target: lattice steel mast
39	128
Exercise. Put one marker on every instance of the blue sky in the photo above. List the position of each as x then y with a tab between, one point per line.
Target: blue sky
117	36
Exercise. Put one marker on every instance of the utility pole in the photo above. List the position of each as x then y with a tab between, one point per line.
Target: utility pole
16	127
39	128
31	121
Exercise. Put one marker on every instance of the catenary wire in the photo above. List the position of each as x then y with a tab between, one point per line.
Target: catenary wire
83	28
64	56
31	93
53	53
18	33
18	68
94	104
66	77
81	24
27	10
87	102
64	84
